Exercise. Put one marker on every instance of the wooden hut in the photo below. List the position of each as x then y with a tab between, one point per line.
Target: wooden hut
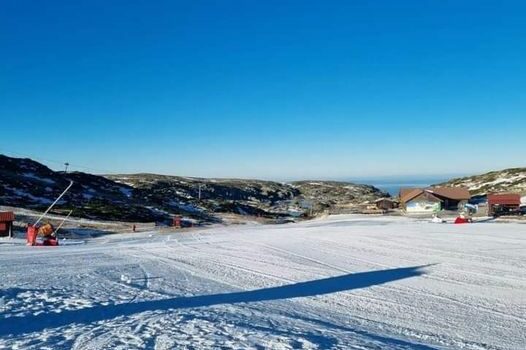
6	223
503	203
385	204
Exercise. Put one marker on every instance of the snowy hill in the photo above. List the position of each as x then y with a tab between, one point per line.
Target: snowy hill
346	282
508	180
149	197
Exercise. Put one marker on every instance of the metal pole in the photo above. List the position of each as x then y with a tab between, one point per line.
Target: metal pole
63	221
53	204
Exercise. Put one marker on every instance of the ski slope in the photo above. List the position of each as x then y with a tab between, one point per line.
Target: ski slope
344	282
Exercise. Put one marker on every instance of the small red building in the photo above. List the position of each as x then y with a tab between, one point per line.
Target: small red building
503	203
6	223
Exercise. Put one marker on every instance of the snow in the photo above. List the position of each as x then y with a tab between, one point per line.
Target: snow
39	178
316	183
183	194
128	192
20	193
343	282
188	207
503	179
87	196
123	180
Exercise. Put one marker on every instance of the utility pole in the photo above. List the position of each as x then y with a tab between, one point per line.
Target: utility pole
199	195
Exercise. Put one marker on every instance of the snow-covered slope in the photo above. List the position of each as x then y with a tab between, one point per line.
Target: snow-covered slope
347	282
509	180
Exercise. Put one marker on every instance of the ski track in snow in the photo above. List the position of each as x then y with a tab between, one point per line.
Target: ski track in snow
344	282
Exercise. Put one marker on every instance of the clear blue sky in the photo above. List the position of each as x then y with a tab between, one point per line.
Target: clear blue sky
267	89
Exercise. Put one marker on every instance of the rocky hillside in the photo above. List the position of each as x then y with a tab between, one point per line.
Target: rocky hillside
28	184
200	196
508	180
248	197
148	197
335	197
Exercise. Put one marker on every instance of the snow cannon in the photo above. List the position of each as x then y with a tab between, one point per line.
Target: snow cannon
47	232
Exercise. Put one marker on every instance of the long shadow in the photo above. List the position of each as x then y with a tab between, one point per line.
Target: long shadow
35	323
491	219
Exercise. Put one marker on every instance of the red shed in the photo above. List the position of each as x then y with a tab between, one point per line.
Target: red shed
6	223
501	203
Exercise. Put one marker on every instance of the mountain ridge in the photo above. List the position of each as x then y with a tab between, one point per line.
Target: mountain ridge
146	197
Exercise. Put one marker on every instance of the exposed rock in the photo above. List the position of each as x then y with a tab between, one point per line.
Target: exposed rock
336	197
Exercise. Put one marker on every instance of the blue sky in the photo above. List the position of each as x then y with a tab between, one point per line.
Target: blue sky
266	89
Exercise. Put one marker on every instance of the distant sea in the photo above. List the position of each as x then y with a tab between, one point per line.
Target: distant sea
393	185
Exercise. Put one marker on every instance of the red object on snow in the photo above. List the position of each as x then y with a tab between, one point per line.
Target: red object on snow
177	222
31	235
52	241
460	220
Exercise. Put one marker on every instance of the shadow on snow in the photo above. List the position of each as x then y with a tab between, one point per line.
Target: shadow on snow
34	323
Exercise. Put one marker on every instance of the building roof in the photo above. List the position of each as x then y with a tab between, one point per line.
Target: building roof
456	193
406	194
428	196
504	199
7	216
